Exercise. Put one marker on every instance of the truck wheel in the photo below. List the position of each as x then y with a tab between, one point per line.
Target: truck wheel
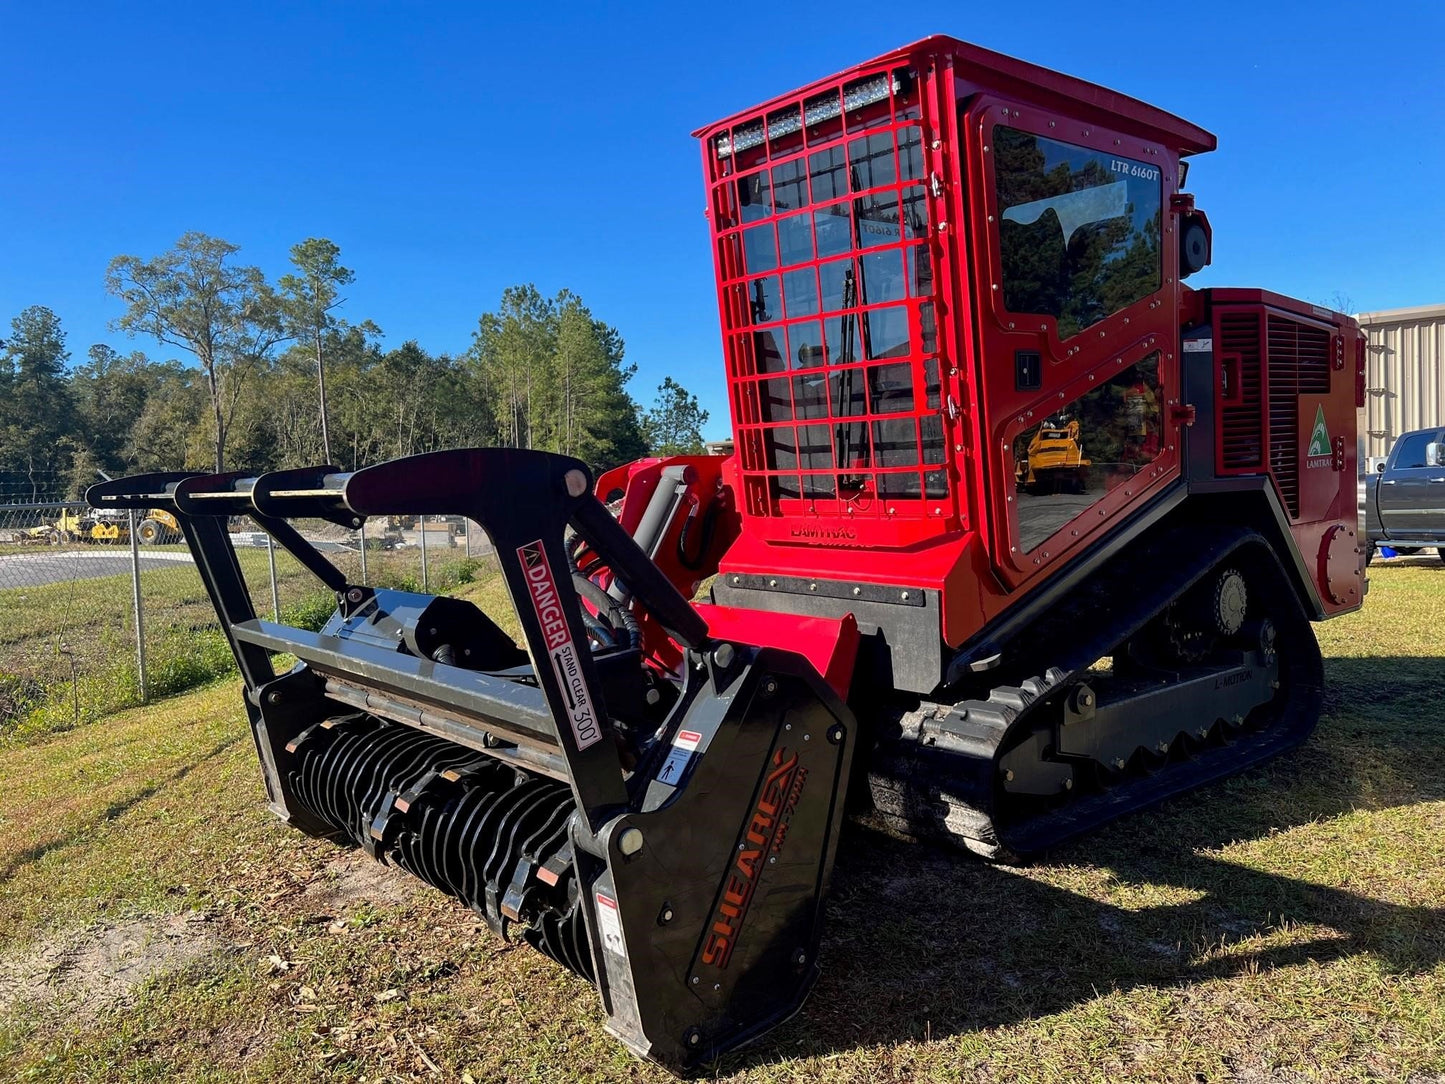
149	532
1440	552
1369	553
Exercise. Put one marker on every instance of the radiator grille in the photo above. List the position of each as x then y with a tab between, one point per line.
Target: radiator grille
1299	362
1242	448
1267	362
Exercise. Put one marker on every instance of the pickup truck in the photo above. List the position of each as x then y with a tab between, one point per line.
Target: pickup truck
1404	502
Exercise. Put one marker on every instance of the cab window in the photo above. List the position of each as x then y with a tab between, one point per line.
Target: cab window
1078	229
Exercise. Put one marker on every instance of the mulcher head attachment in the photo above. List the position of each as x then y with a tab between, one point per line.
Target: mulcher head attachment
668	834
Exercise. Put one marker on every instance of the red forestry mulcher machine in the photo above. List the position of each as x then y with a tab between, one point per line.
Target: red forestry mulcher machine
921	261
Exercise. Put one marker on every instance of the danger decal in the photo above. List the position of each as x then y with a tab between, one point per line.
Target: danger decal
767	832
561	651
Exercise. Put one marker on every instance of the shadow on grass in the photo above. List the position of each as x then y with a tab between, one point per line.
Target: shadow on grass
922	941
83	833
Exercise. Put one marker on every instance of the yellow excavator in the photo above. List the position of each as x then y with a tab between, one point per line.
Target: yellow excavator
1056	461
159	526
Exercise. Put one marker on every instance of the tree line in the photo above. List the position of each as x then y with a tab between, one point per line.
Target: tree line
269	375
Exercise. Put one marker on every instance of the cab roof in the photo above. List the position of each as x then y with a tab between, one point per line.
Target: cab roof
1018	78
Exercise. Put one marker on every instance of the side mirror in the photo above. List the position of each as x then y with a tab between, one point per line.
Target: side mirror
1435	455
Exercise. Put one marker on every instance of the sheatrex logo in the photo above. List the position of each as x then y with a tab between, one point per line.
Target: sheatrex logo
767	833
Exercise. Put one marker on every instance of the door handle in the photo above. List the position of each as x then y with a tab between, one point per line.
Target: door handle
1434	481
1388	482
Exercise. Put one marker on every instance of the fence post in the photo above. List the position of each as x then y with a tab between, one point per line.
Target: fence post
275	594
467	534
425	578
361	533
140	639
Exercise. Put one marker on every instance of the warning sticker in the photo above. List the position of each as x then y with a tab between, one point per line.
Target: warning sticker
561	651
610	923
676	764
1198	346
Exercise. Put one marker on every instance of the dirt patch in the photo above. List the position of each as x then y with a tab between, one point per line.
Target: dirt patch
351	878
100	966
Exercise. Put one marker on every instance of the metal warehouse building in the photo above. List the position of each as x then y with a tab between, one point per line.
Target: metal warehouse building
1404	374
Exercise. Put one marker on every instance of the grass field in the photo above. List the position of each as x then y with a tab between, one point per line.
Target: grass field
1286	925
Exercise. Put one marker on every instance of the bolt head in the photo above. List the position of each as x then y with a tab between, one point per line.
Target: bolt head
724	656
667	914
576	483
630	841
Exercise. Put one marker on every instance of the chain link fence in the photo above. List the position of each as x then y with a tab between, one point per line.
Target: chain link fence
100	611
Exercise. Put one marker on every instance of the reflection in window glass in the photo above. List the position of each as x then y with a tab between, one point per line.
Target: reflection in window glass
815	447
753	197
770	349
887	332
890	388
777	405
1085	449
807	340
837	280
760	248
895	444
800	292
915	214
767	302
1078	229
829	171
920	271
810	393
790	187
910	154
845	389
932	389
882	277
795	238
871	159
782	452
835	231
928	328
842	332
877	219
932	426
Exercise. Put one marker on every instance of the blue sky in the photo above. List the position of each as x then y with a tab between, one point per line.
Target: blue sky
452	149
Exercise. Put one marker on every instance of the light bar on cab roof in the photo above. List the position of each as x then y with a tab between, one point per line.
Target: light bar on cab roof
815	110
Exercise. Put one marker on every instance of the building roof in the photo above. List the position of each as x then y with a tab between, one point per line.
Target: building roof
1414	314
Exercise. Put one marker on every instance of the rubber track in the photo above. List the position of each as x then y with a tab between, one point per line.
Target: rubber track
936	776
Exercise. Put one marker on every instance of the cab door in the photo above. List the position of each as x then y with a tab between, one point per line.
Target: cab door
1412	491
1076	297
